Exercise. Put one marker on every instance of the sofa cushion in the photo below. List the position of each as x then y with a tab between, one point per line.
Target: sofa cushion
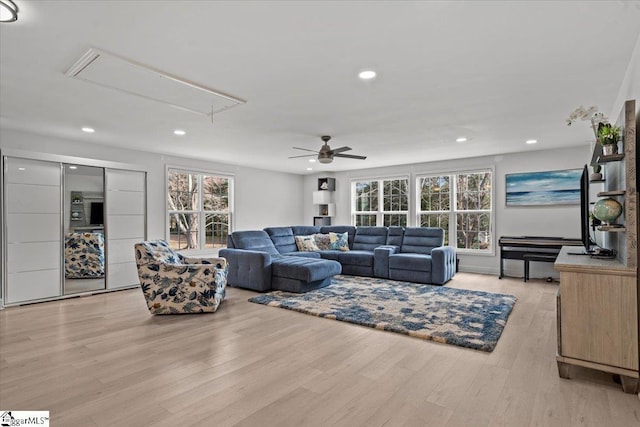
282	238
339	241
421	240
305	230
326	229
304	269
394	236
413	262
306	244
355	257
329	254
255	240
369	238
322	241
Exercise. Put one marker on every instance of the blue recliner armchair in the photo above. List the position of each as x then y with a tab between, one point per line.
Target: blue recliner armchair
422	258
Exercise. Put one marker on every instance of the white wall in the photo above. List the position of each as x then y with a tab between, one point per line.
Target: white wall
262	198
560	221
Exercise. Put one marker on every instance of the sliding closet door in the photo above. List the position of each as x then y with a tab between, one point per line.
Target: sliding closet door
126	224
33	226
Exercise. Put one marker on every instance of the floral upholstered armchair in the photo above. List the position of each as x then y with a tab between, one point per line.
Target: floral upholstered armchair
172	283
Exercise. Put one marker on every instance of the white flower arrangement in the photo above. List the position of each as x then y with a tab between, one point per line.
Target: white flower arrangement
592	114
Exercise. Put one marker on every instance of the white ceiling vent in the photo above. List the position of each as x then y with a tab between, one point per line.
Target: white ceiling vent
127	76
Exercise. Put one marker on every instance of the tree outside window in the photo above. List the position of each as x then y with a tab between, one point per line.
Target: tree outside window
199	211
461	205
380	202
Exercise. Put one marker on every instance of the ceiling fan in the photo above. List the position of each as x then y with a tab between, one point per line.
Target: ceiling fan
326	154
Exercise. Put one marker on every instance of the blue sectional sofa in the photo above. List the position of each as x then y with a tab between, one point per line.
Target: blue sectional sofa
270	259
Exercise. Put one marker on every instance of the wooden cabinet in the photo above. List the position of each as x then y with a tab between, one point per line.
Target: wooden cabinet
598	316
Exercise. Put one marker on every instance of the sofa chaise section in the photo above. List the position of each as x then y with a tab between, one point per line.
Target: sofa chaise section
255	263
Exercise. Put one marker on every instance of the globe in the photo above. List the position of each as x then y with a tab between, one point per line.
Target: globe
607	210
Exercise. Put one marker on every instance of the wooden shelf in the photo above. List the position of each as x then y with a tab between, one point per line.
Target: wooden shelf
612	158
611	193
612	228
597	180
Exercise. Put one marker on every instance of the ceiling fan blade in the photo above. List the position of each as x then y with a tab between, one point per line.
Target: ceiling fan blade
350	156
304	155
305	149
340	149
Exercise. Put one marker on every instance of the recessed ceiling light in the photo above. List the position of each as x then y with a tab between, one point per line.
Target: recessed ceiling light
88	130
179	132
367	74
309	169
312	160
461	139
531	141
22	169
73	167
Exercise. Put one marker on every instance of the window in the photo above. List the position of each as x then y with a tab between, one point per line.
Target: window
461	205
380	202
199	209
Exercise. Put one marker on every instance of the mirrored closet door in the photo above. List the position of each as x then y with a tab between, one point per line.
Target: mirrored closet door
68	228
84	233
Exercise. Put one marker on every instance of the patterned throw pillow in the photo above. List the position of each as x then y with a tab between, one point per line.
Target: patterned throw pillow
306	244
339	241
322	241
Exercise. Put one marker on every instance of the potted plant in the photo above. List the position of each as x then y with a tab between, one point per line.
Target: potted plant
608	136
596	175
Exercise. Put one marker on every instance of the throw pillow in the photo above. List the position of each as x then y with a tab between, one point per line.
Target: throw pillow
339	241
322	241
306	244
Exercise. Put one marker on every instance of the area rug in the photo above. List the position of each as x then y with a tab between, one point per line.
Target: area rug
461	317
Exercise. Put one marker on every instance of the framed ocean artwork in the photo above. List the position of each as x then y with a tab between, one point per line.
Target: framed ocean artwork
547	188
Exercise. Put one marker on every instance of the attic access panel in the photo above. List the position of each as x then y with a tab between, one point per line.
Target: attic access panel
121	74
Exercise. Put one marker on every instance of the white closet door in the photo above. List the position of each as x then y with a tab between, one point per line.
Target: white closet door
126	201
32	196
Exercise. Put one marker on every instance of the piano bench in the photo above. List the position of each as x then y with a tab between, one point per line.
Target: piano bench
535	257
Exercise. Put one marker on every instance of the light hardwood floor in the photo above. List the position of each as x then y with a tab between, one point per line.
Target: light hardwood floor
103	360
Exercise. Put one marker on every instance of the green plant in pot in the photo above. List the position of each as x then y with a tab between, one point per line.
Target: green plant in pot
596	175
608	135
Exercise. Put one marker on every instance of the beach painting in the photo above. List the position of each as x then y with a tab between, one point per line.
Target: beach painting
544	188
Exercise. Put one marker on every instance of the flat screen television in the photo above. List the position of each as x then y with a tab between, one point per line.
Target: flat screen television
585	210
97	213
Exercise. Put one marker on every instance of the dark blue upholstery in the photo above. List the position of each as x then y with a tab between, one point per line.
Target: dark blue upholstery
369	238
422	257
394	236
255	263
269	259
421	240
305	230
314	269
248	269
282	238
255	240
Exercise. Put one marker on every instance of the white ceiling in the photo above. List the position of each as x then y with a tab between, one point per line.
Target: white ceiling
498	73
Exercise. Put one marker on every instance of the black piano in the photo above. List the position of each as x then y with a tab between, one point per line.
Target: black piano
532	248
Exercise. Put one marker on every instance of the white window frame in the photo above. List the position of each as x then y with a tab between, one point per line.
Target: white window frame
380	212
200	212
453	184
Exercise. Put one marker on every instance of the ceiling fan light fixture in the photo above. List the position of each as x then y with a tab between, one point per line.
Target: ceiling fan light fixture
8	11
324	156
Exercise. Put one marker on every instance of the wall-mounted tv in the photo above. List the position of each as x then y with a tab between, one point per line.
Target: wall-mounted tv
97	213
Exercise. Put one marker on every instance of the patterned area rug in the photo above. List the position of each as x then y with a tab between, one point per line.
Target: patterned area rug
472	319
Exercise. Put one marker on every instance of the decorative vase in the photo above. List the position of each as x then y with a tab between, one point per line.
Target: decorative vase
607	210
596	176
608	149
